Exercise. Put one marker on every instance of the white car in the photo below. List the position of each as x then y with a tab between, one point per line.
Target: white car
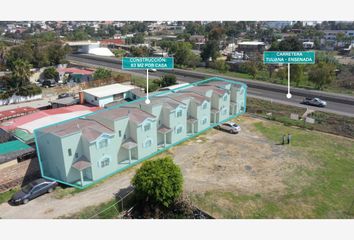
230	127
152	70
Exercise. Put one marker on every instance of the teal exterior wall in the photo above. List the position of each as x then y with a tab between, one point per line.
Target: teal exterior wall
56	164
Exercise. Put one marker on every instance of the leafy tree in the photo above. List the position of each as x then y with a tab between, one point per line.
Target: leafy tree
168	80
282	73
216	34
249	68
21	71
296	73
136	39
321	74
102	73
289	44
210	50
51	73
159	181
139	51
221	66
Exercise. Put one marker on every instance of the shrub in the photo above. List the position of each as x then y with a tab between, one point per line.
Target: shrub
159	182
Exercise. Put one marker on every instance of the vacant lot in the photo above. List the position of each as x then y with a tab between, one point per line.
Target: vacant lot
250	175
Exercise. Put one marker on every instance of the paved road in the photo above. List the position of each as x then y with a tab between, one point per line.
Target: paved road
337	103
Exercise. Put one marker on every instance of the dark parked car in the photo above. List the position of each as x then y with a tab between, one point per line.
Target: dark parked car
314	102
63	95
33	190
49	83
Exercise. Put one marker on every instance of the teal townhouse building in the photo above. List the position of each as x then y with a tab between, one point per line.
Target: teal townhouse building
82	151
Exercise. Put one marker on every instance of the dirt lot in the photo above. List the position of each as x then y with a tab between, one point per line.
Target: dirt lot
246	163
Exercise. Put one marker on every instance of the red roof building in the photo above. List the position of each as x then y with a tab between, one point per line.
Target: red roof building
16	112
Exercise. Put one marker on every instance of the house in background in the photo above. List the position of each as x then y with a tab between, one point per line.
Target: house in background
101	96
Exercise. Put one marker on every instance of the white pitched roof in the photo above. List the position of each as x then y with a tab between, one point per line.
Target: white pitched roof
109	90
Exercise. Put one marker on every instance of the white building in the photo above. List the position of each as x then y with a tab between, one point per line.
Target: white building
101	96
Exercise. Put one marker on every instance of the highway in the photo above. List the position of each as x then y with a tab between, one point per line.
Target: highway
336	103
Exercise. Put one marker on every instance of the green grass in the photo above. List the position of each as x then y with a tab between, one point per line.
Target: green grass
327	192
141	82
6	196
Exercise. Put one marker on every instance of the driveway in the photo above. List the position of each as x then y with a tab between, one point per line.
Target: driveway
48	206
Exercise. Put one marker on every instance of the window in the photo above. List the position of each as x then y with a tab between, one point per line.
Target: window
204	120
95	98
147	127
179	129
69	152
119	133
76	155
224	111
103	143
179	113
104	162
205	105
225	97
148	143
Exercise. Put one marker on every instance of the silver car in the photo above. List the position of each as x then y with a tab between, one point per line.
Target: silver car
230	127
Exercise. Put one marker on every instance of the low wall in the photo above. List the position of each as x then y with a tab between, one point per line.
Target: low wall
18	99
18	173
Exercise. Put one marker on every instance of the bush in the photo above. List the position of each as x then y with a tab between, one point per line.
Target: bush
159	182
168	80
51	73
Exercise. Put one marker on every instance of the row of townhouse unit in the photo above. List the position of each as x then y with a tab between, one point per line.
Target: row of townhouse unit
83	150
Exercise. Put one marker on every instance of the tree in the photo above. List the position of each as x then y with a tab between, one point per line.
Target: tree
159	181
168	80
51	73
21	71
288	44
221	66
210	50
102	73
321	74
296	73
249	68
282	73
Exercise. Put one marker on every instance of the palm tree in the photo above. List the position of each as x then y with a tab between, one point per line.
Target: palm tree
21	73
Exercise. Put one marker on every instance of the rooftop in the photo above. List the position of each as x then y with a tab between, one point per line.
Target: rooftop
109	90
135	114
251	43
89	128
75	71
